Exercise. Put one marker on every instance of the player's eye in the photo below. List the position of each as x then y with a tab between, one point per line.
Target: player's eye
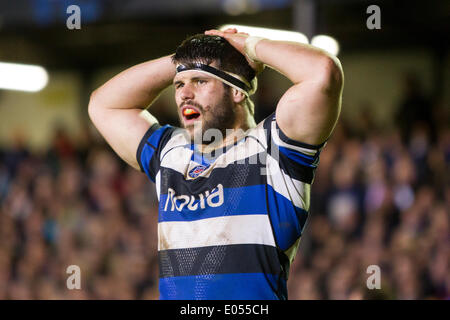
179	85
200	81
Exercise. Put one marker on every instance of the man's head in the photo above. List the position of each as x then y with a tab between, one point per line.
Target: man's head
204	95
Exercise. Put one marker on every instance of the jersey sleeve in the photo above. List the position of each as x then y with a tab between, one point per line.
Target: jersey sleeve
299	160
290	171
148	154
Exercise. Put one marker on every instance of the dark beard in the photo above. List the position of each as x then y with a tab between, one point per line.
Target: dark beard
220	117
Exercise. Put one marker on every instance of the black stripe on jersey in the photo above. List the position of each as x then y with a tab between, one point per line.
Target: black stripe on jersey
236	258
232	176
149	132
267	129
295	170
288	140
268	126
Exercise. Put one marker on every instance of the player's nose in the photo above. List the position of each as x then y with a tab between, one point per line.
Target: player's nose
187	93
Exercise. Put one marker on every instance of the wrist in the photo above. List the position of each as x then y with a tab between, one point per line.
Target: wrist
250	47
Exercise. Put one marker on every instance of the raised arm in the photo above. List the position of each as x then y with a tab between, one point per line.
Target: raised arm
309	110
116	108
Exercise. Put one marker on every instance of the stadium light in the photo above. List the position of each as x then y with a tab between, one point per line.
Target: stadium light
22	77
326	43
273	34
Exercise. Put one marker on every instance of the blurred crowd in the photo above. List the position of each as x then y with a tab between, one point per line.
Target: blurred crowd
75	206
377	201
380	197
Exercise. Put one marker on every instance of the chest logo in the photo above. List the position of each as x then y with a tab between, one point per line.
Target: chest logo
213	198
196	171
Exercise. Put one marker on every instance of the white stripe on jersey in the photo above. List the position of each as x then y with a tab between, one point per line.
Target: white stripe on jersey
217	231
259	133
281	143
178	159
179	138
296	191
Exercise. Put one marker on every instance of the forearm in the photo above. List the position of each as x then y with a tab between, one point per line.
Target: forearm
298	62
136	87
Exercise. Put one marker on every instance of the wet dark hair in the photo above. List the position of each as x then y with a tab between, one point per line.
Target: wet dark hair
201	48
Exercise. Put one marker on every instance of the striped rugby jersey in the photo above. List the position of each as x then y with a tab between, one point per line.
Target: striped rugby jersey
229	222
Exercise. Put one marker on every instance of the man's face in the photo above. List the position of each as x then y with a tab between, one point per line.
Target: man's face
203	103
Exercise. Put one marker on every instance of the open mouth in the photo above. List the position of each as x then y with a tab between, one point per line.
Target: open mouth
190	113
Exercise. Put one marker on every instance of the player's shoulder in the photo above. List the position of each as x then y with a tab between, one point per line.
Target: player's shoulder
261	132
175	137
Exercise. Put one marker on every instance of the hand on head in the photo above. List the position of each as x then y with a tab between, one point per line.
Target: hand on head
237	40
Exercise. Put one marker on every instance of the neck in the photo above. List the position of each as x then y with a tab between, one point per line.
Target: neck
244	122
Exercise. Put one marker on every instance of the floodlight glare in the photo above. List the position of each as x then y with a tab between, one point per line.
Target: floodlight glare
22	77
326	43
272	34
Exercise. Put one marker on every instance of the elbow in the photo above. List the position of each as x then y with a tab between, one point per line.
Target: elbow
92	104
92	97
331	74
335	74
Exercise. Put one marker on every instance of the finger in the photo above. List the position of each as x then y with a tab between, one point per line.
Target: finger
231	30
214	33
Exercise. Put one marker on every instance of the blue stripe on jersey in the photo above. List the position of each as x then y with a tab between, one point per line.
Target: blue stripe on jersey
146	156
287	220
299	157
142	158
238	201
156	136
233	286
147	150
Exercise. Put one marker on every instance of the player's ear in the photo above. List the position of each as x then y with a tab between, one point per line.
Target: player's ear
238	96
